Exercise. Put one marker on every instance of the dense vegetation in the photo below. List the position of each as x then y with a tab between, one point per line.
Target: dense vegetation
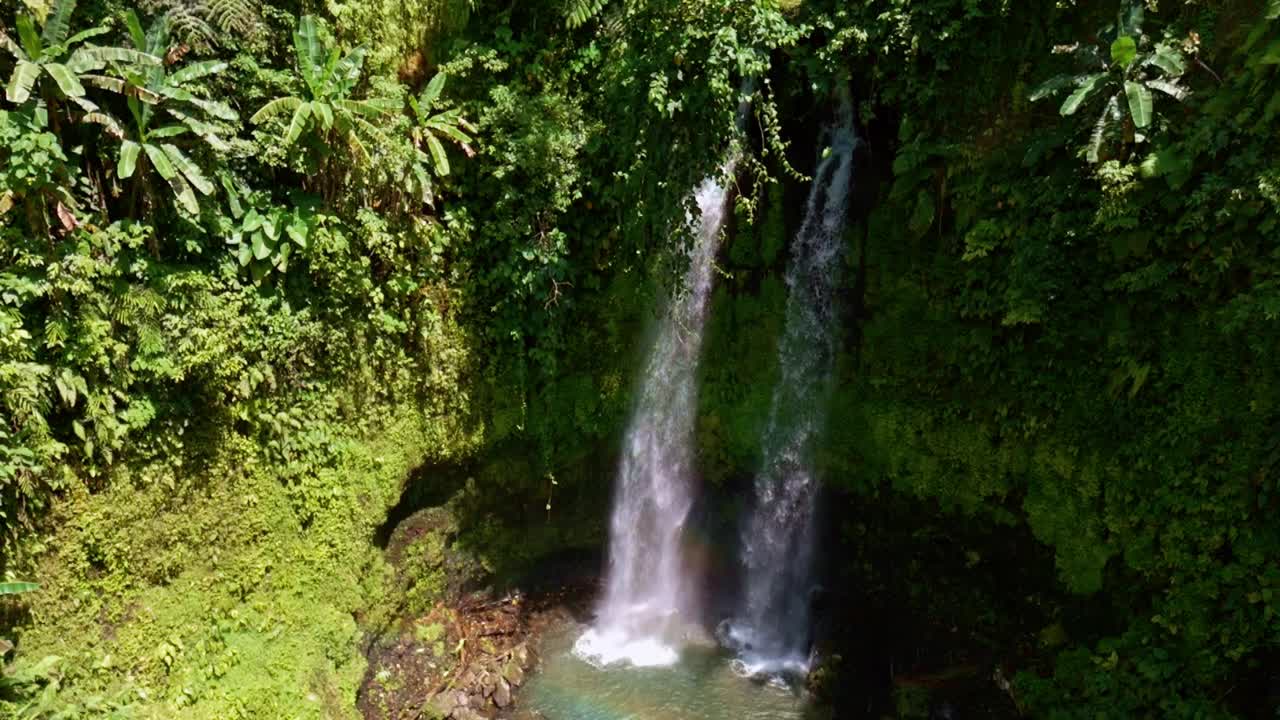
261	260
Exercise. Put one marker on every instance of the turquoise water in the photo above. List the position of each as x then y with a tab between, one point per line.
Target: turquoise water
701	686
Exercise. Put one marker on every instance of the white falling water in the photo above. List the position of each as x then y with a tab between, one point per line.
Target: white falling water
771	631
647	604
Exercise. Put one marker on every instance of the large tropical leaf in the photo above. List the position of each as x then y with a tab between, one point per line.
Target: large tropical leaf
275	107
1088	86
12	47
160	161
91	58
112	126
1173	90
168	131
129	151
1100	128
1051	87
432	91
66	80
183	192
298	123
136	33
424	182
1139	103
105	82
20	83
346	72
188	169
196	71
16	588
222	111
85	35
157	40
1168	60
30	39
438	155
1124	50
58	22
262	246
375	108
306	42
207	132
324	112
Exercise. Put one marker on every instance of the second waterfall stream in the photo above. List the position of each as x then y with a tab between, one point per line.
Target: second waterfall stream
647	604
771	629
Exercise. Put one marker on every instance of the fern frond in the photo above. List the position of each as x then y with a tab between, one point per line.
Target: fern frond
205	24
578	12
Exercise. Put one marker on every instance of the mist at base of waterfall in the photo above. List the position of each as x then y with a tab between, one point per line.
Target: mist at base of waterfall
702	682
754	659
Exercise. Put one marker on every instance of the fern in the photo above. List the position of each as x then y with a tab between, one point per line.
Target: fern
578	12
207	23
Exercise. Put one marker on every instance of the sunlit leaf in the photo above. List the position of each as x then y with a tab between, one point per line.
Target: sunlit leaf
1124	50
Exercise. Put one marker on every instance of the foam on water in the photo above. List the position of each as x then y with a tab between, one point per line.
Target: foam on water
610	647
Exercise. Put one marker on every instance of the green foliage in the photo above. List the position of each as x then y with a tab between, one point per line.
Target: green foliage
146	146
35	173
210	23
54	59
430	128
325	112
264	238
1122	82
578	12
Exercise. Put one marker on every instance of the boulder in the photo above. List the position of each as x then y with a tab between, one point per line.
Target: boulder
502	695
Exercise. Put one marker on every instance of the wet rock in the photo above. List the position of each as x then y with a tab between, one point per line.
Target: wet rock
488	685
442	705
502	695
513	673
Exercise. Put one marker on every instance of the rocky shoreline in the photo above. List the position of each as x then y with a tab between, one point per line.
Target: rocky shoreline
451	652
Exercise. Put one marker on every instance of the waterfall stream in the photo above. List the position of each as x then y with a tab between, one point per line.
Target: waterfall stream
771	629
647	605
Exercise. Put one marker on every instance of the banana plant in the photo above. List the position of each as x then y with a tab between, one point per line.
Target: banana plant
1122	78
325	107
429	128
162	107
51	54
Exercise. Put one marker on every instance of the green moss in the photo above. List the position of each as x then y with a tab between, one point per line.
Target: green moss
211	598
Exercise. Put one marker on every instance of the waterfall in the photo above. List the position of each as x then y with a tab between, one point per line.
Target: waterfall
647	606
771	629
